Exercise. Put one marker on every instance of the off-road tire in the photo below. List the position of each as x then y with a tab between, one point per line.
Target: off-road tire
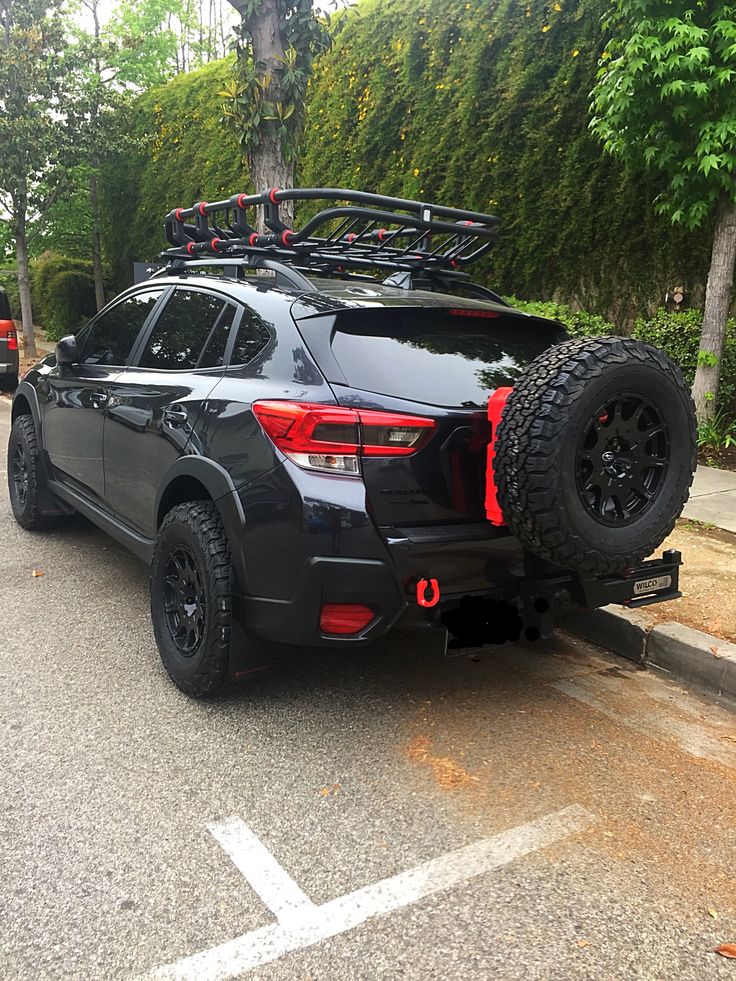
195	528
26	507
538	446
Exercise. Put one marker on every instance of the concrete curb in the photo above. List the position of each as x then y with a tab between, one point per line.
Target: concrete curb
685	654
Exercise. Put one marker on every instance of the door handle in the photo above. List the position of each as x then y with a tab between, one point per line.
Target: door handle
175	417
99	398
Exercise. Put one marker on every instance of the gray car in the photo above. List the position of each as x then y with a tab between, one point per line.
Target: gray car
8	345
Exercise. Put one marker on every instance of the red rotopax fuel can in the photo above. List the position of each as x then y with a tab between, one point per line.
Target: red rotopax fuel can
495	407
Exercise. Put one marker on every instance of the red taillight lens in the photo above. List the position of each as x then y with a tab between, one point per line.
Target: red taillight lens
12	340
7	330
344	618
332	438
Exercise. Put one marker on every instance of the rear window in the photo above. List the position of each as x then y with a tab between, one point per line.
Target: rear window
435	356
4	306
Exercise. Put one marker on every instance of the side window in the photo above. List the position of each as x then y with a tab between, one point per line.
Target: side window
214	350
182	330
253	336
110	338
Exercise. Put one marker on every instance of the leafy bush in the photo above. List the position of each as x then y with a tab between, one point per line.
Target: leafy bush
578	323
718	433
62	291
679	335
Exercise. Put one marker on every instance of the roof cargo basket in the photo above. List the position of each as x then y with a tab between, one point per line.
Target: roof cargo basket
361	232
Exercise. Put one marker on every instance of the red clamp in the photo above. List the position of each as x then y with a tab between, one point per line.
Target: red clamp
496	404
434	597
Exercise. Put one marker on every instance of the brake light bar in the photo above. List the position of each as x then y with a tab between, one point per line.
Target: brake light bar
333	438
470	312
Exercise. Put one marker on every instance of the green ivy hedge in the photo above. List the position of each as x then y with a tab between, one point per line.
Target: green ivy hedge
62	293
678	334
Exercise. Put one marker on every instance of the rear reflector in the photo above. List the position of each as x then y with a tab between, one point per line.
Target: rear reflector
332	438
344	618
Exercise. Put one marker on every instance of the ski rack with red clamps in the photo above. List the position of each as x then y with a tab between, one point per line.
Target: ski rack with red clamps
362	232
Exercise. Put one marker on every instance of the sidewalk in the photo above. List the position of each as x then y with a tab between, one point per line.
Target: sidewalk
713	498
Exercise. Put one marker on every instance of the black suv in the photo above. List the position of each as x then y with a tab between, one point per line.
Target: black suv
309	455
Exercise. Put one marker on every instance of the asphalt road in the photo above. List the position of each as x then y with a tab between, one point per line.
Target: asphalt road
577	817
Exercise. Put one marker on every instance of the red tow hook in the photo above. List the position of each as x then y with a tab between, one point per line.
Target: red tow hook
428	601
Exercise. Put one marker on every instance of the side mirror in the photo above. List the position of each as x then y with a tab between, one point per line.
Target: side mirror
66	351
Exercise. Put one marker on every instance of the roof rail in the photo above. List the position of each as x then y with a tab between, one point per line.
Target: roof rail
364	231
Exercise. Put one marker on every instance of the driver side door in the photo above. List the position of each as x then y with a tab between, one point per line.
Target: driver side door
75	399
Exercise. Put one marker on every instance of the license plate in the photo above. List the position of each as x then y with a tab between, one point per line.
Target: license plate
652	585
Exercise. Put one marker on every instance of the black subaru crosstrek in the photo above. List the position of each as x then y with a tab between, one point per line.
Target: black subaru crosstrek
306	454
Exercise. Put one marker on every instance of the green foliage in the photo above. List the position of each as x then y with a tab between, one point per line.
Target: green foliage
486	104
665	97
260	101
718	432
578	323
679	335
63	293
181	154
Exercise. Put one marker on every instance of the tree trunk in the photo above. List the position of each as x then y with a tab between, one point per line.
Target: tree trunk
267	165
96	247
717	303
24	283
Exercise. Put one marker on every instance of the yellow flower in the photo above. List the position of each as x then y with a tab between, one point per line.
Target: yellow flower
416	172
545	28
575	53
557	7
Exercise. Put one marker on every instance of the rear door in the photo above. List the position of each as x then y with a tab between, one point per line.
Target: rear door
74	399
156	402
441	363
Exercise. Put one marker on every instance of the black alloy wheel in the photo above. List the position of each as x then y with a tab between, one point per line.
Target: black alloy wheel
622	459
19	473
185	601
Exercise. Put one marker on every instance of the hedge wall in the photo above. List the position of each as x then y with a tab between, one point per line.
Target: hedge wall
481	103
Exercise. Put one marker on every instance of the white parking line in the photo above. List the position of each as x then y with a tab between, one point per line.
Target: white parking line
308	924
272	882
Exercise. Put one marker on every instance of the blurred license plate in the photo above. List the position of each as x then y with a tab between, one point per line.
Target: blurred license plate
652	585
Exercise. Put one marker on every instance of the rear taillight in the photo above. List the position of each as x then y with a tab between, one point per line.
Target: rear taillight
332	438
344	618
7	330
12	340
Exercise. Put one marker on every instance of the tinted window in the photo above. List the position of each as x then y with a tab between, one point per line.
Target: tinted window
182	330
4	306
110	338
214	351
253	336
434	356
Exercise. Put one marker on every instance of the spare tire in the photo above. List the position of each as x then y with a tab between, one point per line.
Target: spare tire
595	453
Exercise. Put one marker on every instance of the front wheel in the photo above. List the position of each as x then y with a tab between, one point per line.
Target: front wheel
25	476
191	597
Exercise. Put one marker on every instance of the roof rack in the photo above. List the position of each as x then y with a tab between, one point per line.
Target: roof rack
363	232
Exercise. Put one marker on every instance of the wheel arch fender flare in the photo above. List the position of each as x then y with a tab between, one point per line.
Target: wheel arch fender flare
219	485
25	392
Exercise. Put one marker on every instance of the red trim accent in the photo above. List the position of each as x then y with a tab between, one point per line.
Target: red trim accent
345	618
433	599
286	235
382	233
496	404
350	236
213	244
201	207
253	238
466	223
453	263
241	198
271	194
190	248
179	214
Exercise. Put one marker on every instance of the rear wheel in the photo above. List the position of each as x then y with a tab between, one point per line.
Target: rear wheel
191	597
25	476
595	453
